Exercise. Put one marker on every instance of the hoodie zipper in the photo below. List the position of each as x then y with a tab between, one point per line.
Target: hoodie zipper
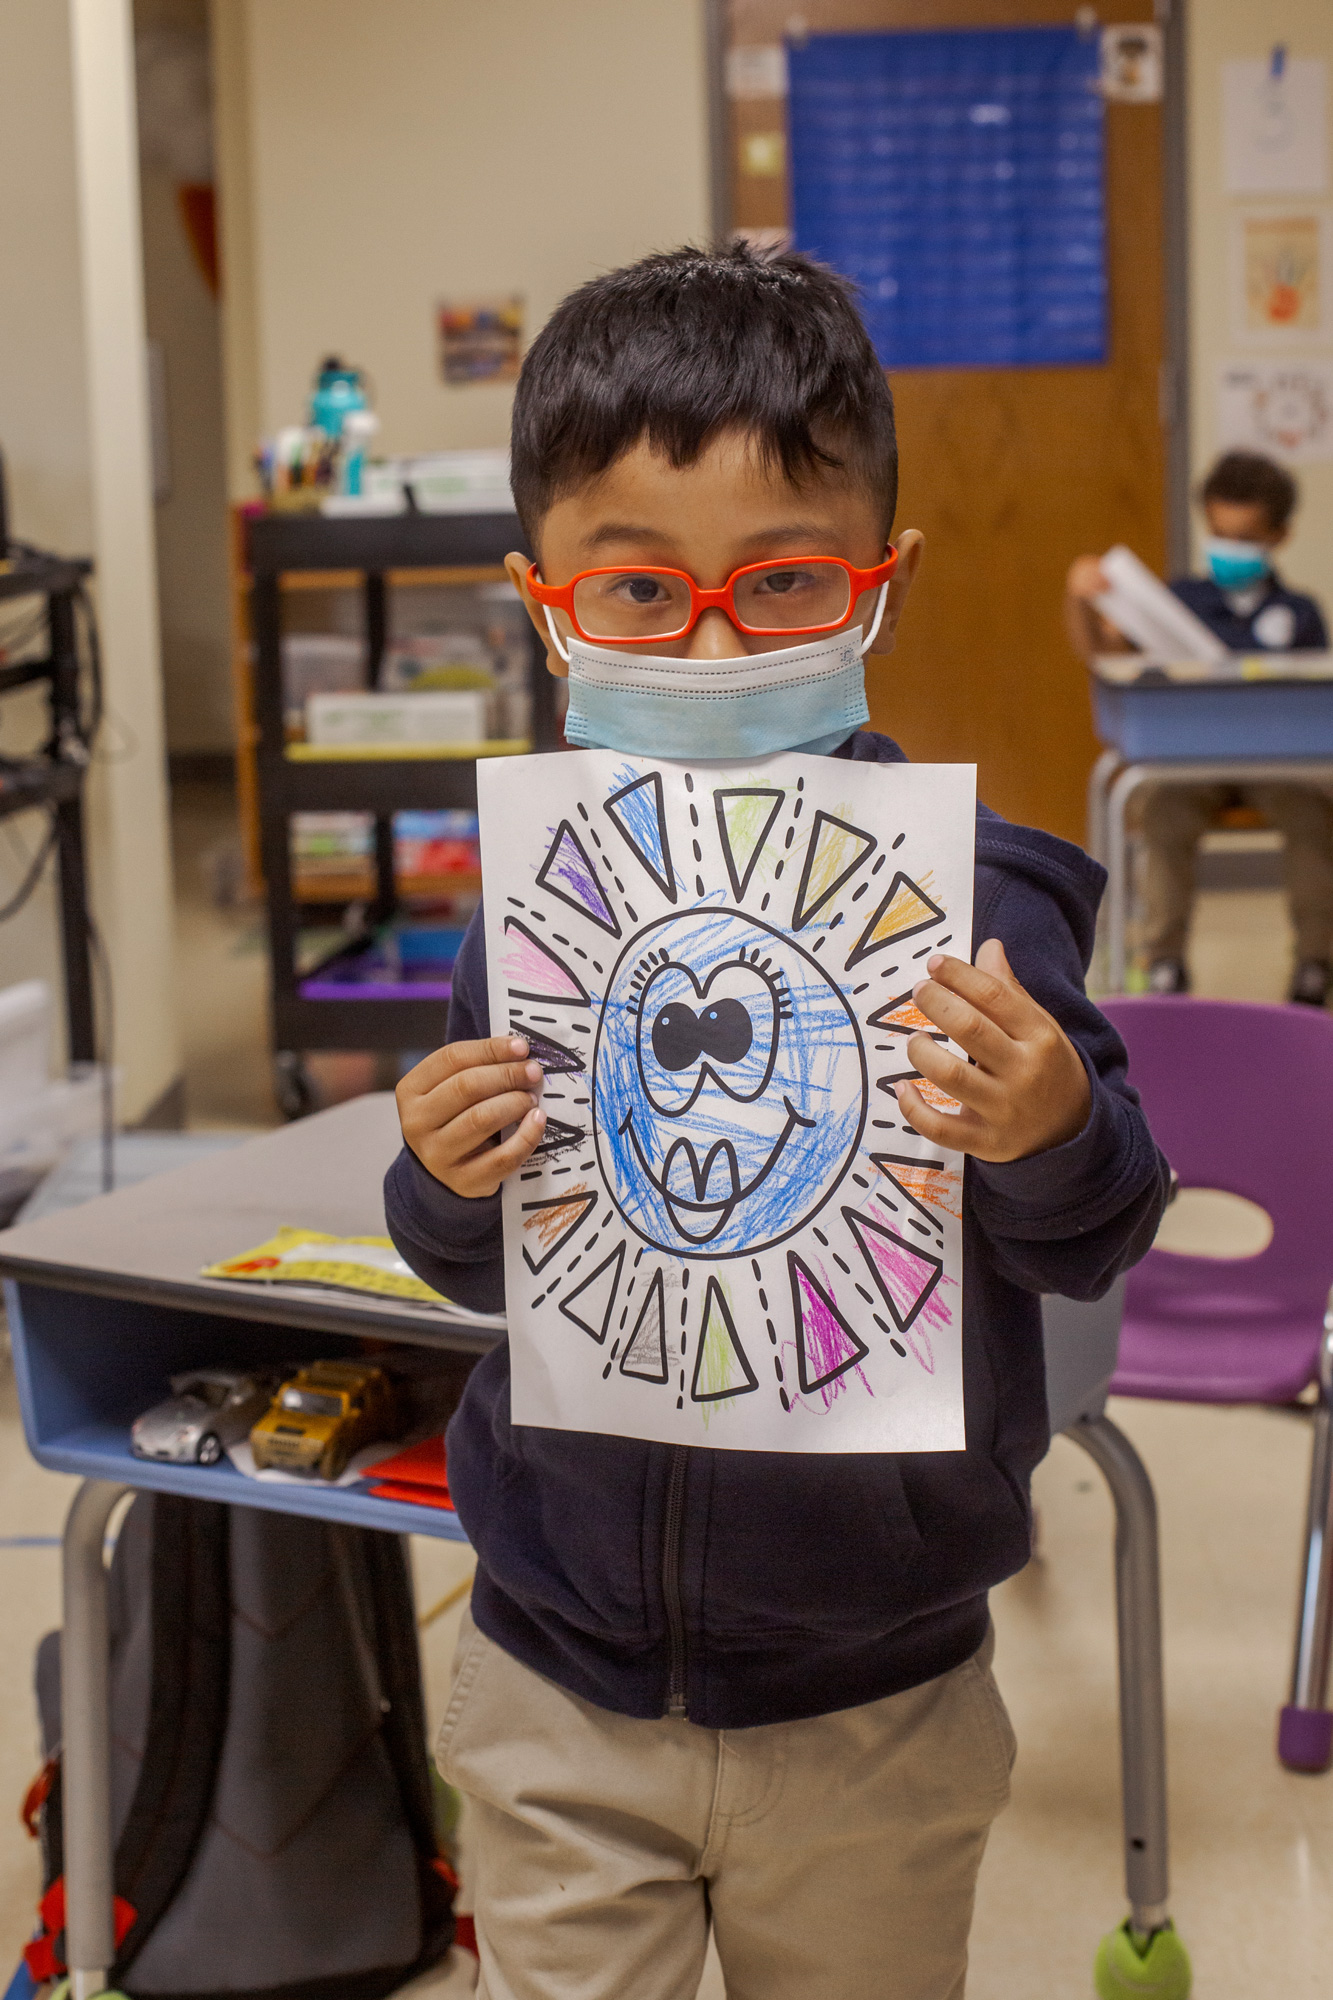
672	1539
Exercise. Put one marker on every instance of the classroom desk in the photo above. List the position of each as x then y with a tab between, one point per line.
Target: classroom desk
105	1301
1252	719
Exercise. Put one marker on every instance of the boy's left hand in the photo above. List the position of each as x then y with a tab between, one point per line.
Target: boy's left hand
1025	1089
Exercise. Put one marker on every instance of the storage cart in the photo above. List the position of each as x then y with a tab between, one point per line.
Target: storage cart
376	555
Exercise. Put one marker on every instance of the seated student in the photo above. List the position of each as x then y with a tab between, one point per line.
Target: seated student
746	1688
1248	502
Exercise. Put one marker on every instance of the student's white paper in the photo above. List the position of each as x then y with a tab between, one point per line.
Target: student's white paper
1275	125
1140	606
730	1236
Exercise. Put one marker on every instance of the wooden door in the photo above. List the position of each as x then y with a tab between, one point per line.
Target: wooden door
1010	473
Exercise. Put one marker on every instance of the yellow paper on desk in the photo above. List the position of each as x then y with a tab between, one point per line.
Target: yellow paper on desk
308	1257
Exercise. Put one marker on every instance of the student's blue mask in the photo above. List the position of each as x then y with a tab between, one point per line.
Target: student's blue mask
809	697
1235	565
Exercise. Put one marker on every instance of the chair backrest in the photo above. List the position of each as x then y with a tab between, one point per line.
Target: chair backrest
1239	1096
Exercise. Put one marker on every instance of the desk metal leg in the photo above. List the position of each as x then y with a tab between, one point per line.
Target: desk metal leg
1142	1700
1117	868
1099	781
86	1741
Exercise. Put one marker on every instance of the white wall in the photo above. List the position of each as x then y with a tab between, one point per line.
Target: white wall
184	316
415	150
43	422
1222	31
73	427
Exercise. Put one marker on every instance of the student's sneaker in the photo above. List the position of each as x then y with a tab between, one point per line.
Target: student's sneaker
1168	975
1310	982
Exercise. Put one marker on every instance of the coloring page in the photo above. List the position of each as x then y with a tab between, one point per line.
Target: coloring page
729	1235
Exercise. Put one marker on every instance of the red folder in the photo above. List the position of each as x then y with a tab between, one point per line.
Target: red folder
417	1475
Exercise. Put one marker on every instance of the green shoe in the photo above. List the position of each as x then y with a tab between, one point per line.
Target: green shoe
1124	1971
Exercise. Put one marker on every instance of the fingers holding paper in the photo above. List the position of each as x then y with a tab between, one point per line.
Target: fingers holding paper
456	1102
1025	1088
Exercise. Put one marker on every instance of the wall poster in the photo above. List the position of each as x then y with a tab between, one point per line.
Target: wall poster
957	176
1282	276
1284	408
729	1236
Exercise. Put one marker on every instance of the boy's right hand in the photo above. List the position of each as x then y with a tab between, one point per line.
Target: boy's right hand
453	1105
1087	579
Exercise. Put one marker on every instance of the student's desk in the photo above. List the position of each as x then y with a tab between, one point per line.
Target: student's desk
1253	719
105	1302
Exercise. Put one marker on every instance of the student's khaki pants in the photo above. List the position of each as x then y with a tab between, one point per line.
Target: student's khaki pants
836	1859
1175	818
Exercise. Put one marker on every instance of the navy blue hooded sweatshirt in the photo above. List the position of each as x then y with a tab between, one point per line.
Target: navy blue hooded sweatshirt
751	1587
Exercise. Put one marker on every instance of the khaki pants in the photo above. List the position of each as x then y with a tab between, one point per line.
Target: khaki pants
836	1859
1175	817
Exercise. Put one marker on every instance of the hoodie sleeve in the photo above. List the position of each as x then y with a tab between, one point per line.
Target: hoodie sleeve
455	1244
1070	1219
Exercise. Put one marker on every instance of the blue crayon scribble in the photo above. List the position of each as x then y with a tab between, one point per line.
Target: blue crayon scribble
637	809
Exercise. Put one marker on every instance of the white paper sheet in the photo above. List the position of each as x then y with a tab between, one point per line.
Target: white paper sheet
1275	124
1140	605
730	1237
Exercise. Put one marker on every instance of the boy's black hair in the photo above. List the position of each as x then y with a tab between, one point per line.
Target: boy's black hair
687	344
1248	479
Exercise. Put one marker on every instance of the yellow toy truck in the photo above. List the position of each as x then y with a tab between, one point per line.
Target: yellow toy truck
325	1413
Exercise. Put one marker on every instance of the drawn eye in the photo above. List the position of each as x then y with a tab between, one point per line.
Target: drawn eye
723	1031
727	1033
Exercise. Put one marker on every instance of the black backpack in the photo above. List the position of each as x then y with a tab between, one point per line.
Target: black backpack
272	1801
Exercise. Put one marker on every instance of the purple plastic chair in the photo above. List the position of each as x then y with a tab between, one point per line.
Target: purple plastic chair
1240	1097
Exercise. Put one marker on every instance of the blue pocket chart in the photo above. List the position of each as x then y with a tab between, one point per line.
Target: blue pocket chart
957	177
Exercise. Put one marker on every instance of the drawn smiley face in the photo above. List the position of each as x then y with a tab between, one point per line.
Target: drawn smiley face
729	1085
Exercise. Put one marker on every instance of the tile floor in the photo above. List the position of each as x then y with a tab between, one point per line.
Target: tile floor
1252	1846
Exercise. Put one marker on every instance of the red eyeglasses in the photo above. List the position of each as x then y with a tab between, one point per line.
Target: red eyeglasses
640	606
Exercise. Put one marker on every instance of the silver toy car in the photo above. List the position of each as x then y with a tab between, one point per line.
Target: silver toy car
208	1409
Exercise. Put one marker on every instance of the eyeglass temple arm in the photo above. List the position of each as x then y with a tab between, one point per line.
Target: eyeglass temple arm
878	619
555	636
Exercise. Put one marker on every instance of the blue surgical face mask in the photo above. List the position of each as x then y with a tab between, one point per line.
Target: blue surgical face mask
809	697
1235	565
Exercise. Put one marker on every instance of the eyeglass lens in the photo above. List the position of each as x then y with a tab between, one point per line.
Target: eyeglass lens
655	604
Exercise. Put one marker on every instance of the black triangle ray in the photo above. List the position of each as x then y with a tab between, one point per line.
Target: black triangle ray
666	882
881	1023
597	1333
863	948
557	1137
714	1297
655	1301
583	1203
740	883
856	1223
554	1057
797	1269
565	832
579	999
800	915
884	1163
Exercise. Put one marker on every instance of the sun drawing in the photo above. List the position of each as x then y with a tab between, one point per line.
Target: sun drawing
726	1203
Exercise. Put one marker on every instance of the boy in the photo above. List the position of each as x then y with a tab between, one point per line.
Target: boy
1248	502
748	1688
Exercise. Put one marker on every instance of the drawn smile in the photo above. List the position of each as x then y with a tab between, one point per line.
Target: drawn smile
701	1198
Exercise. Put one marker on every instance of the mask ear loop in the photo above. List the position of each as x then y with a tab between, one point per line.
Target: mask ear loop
555	636
869	639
